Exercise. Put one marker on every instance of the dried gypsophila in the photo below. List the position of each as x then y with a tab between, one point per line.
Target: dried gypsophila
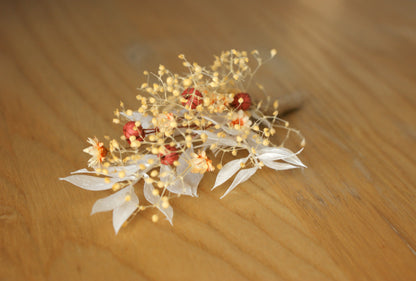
165	142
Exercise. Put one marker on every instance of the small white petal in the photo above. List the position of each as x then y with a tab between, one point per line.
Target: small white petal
228	171
242	176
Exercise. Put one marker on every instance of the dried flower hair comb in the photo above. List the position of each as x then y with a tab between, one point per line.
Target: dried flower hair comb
183	124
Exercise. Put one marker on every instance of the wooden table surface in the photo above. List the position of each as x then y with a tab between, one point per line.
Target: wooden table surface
351	215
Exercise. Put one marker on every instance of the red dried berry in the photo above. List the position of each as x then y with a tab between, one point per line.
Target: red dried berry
193	97
170	155
130	129
244	103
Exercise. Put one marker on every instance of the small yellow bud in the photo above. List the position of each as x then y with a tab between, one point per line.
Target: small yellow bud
165	205
187	82
276	104
116	186
155	218
121	174
204	137
149	180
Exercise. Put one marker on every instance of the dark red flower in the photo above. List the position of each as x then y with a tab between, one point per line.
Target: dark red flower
241	101
169	156
130	129
193	98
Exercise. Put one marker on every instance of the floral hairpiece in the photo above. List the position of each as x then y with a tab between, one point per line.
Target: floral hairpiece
183	125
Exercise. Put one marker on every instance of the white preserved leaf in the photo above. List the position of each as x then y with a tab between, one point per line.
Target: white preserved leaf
180	187
122	213
213	138
129	170
185	184
231	131
110	171
242	176
168	212
279	165
183	161
148	193
156	200
193	180
90	182
115	200
295	160
166	173
275	153
262	120
228	171
217	118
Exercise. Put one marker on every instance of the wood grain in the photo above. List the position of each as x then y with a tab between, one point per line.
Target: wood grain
65	65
